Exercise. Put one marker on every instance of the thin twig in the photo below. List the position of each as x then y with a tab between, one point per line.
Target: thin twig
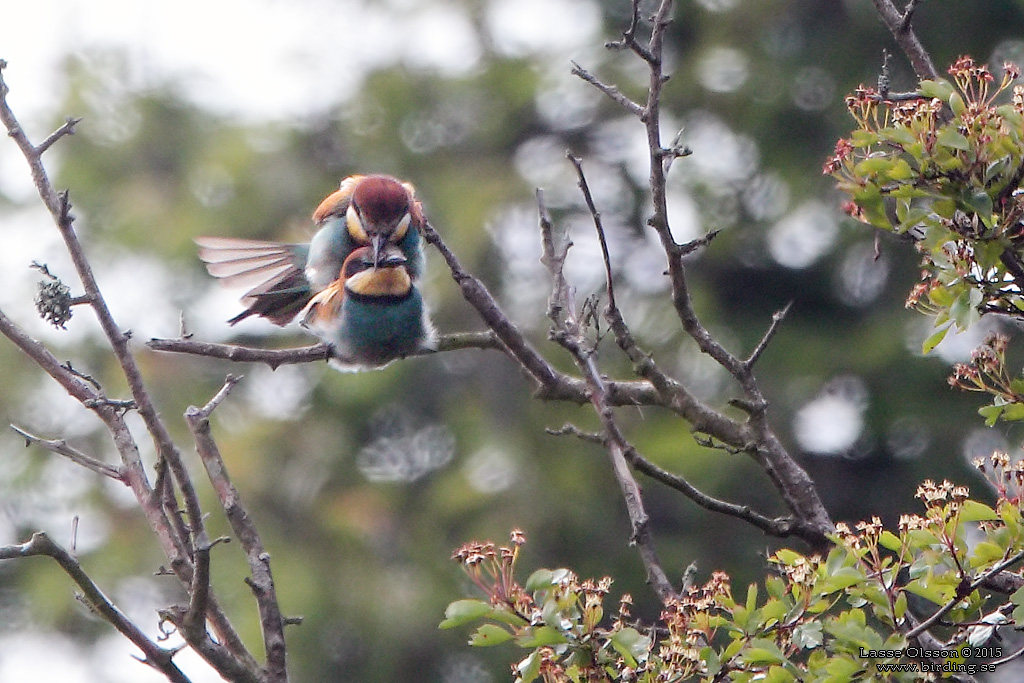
1007	658
67	129
513	342
154	656
956	599
598	226
778	527
777	319
573	430
61	447
611	91
629	40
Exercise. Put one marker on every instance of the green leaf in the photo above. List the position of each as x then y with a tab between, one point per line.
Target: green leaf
873	165
871	202
529	668
842	669
732	649
988	253
973	511
550	612
863	138
489	635
842	579
956	103
944	208
938	88
901	135
773	611
991	414
912	218
539	636
934	339
890	541
962	311
505	615
981	204
808	635
901	170
985	553
1013	412
540	580
929	591
631	644
952	138
787	556
900	608
764	652
464	611
778	674
712	662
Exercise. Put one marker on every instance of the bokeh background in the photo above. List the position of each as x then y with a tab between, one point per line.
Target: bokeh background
236	117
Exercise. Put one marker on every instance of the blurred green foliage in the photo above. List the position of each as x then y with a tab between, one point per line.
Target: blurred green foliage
360	537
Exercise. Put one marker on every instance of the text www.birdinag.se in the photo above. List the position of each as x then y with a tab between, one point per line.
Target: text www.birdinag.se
923	665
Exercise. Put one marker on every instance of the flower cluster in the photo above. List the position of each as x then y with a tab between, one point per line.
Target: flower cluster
986	372
691	620
493	568
974	81
1005	475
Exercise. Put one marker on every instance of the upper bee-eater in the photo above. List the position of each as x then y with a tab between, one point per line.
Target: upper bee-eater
374	211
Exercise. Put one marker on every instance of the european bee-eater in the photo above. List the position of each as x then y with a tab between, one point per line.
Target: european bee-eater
372	313
373	211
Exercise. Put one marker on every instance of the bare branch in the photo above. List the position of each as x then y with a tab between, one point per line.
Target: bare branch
629	40
753	436
67	129
512	339
275	358
227	654
553	258
899	24
598	226
154	656
780	527
194	621
777	319
567	332
261	581
573	430
61	447
611	91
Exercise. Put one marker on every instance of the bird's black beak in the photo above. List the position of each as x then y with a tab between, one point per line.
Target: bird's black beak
377	248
